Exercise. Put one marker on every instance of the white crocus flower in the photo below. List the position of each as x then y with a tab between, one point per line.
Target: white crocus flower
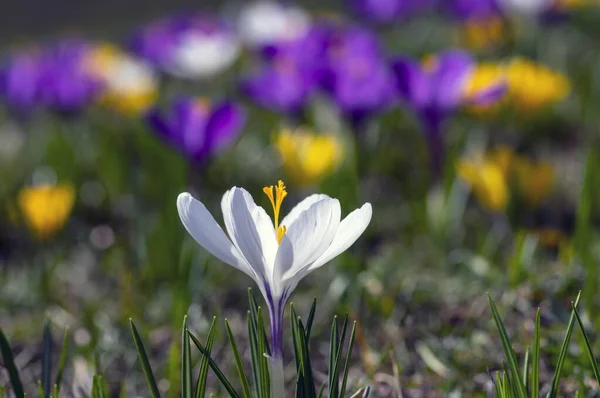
276	255
200	55
264	22
526	7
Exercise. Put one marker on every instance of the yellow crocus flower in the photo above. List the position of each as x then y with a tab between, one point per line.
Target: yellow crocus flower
481	34
529	86
45	208
533	86
487	182
308	157
130	85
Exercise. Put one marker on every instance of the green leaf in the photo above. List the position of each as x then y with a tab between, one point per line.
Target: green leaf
336	369
588	346
144	361
347	365
526	366
309	383
254	312
535	371
310	319
46	360
204	362
333	347
508	351
238	362
186	362
61	362
9	364
255	355
563	352
214	367
262	349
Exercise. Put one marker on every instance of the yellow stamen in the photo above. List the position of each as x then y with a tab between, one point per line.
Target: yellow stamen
276	201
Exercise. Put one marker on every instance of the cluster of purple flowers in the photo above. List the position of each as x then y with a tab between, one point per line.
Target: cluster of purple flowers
344	62
54	78
388	11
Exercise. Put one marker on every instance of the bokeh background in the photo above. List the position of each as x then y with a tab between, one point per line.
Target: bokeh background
470	125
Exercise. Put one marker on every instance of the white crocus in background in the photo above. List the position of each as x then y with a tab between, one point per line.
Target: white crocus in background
265	22
526	7
204	54
276	255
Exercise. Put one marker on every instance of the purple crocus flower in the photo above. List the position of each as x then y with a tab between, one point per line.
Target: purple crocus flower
196	128
468	10
66	84
19	78
385	11
289	73
357	76
436	88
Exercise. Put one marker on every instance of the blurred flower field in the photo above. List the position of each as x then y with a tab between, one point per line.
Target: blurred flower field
459	139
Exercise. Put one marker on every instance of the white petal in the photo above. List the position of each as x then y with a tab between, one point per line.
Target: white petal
350	229
301	207
251	230
204	229
307	238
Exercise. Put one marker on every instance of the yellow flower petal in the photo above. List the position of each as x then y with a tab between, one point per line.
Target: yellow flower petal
308	157
45	208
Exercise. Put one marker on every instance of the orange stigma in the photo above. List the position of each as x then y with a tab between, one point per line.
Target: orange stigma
276	201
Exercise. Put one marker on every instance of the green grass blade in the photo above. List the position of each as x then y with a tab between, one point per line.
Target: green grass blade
255	355
9	364
333	348
309	382
300	393
526	366
563	353
238	362
535	370
263	348
226	384
588	346
508	351
321	390
139	345
348	359
186	362
46	360
41	391
254	312
62	362
310	319
204	364
336	369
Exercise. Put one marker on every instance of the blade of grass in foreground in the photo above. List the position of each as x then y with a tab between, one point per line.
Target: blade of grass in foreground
203	373
535	370
214	367
563	352
186	362
46	359
347	365
61	362
144	361
588	346
9	364
238	362
508	351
